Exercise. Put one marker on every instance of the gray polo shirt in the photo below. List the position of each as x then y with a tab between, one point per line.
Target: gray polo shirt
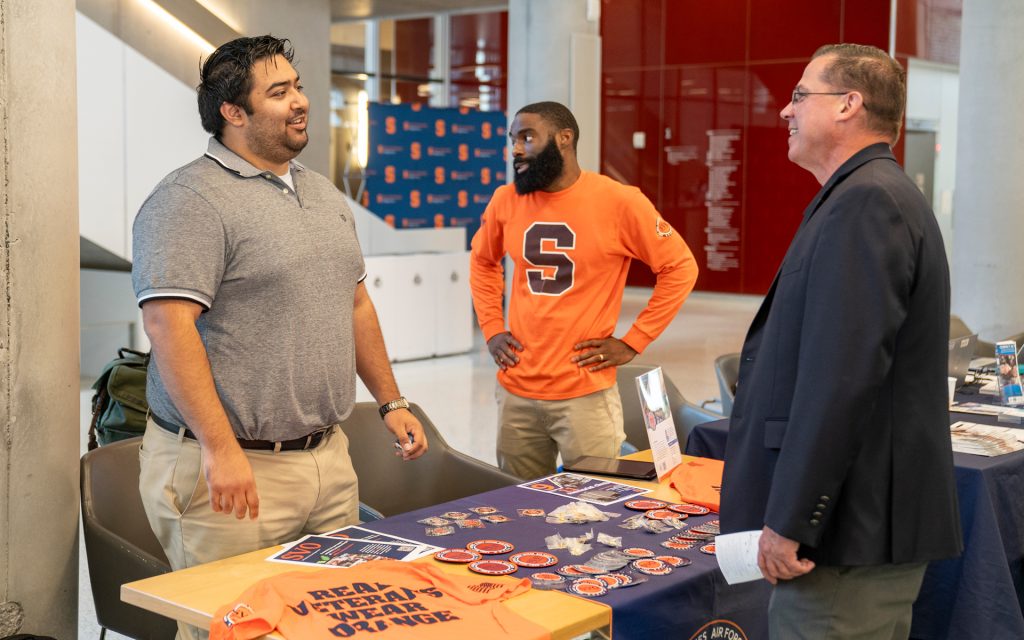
276	273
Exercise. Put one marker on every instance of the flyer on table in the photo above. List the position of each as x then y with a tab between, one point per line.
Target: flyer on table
332	551
584	488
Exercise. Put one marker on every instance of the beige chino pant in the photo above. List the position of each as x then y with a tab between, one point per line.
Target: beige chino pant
301	492
531	433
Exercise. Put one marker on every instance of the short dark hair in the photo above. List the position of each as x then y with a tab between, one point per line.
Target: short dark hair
226	76
558	115
877	76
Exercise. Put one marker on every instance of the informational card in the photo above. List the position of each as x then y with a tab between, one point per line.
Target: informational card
661	428
603	492
330	551
1010	391
985	440
737	556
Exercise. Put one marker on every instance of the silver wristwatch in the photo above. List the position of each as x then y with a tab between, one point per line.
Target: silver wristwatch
388	407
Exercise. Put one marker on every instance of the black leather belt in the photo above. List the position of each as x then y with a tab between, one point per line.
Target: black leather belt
312	441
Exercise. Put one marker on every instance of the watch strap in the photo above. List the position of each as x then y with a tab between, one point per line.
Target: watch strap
388	407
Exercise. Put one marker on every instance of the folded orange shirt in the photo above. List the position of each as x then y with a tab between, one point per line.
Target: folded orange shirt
381	599
699	481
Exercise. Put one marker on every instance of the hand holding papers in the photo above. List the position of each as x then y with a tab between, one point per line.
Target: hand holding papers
737	556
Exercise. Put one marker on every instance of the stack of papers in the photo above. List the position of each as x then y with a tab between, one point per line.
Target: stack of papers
985	440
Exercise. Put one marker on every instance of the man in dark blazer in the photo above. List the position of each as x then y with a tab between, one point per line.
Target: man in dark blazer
839	448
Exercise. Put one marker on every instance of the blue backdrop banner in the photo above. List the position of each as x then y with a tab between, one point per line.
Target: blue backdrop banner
429	167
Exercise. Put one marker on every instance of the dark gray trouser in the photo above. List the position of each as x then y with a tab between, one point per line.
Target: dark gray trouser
846	603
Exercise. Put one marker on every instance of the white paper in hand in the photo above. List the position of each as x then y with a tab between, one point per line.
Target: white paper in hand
737	556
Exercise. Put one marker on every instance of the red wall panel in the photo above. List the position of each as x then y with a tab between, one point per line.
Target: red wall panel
629	33
793	29
701	32
777	191
715	76
863	25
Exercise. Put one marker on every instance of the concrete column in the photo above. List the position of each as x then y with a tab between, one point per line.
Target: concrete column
39	397
554	53
988	213
307	23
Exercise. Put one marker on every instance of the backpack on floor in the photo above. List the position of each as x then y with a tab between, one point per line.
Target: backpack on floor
119	405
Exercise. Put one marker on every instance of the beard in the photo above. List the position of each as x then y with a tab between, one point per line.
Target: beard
543	170
268	141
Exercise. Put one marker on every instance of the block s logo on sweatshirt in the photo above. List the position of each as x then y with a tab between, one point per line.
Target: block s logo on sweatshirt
545	247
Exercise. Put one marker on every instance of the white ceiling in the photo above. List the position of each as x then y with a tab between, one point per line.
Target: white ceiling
361	9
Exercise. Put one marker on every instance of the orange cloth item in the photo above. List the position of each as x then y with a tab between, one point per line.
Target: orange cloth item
381	599
571	250
699	481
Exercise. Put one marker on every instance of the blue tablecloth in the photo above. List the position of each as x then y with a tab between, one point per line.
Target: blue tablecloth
980	594
673	606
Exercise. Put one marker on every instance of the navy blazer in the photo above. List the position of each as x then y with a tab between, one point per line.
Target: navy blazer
839	437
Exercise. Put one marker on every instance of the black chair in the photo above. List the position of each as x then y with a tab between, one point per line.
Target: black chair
685	414
119	544
727	371
392	486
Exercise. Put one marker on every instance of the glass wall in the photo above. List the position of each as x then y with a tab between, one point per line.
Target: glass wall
457	60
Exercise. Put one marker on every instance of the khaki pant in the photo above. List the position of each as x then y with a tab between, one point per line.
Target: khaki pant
531	433
300	492
846	603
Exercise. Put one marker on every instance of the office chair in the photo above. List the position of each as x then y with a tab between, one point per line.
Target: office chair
686	415
392	486
727	371
119	544
982	348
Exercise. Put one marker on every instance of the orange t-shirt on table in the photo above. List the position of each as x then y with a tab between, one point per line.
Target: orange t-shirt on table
383	599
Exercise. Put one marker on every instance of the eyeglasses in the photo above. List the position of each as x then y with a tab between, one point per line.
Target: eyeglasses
798	95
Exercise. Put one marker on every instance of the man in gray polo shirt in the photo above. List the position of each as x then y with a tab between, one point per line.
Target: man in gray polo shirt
250	278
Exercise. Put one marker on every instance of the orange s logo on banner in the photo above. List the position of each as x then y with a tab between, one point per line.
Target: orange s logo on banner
390	220
415	151
485	130
416	106
366	198
439	175
463	152
439	128
389	125
414	199
389	174
485	175
438	219
504	154
463	199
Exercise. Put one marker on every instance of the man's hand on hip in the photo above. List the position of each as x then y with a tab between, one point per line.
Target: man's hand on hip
602	353
776	556
230	481
408	431
503	347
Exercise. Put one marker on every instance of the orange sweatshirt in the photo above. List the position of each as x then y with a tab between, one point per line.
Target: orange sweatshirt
571	252
381	599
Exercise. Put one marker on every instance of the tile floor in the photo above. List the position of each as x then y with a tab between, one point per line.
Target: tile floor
457	392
